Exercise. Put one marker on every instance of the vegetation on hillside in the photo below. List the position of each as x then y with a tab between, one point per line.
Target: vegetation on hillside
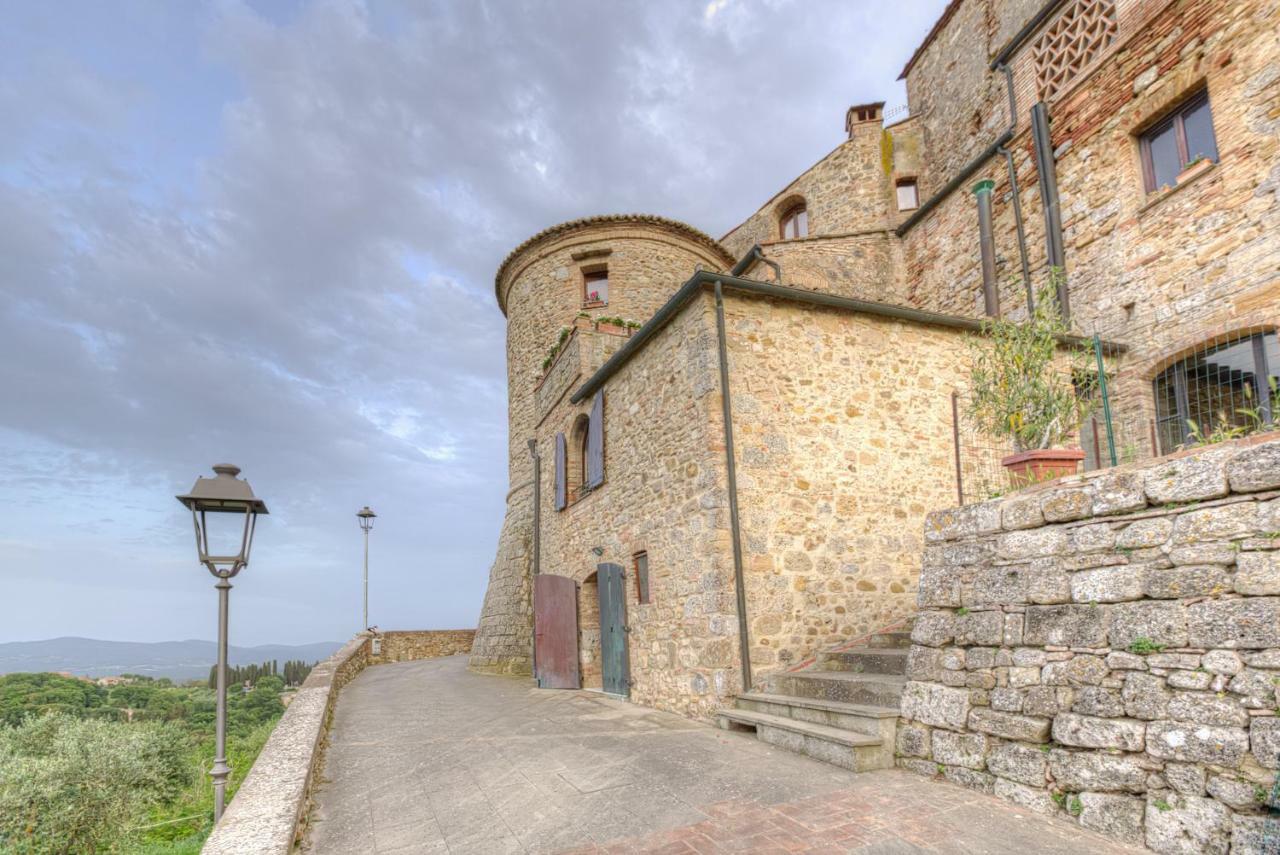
86	768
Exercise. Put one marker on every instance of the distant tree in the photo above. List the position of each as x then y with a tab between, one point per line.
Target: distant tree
75	785
23	695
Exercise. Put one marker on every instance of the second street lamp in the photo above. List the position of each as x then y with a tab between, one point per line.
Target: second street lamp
366	523
230	500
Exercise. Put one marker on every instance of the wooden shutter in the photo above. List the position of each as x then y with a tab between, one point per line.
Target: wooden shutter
595	442
560	474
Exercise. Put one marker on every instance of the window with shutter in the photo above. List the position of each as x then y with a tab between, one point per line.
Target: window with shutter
561	493
595	442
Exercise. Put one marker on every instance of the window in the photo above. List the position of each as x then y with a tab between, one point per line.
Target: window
1227	384
1178	141
1080	32
580	457
641	560
795	222
908	195
595	286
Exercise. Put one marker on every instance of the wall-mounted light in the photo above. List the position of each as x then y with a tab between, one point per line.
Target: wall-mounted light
597	551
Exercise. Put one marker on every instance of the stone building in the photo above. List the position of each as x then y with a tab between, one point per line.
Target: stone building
740	439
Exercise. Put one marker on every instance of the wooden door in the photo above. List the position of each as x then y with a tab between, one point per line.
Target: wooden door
615	665
555	632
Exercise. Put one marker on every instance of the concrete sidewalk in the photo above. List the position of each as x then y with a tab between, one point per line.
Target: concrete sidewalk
426	757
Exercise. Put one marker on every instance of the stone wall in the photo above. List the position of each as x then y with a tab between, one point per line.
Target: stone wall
1107	648
409	645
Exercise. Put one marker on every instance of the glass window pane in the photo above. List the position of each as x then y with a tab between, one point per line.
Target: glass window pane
1198	122
1165	162
596	287
907	196
1220	384
802	224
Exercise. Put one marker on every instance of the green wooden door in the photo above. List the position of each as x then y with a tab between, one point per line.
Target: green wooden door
614	662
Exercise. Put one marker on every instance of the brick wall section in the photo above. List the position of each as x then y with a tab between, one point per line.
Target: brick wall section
1107	648
409	645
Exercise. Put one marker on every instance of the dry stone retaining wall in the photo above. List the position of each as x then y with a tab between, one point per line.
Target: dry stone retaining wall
1108	648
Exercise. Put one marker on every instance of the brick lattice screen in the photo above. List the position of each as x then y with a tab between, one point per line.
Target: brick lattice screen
1079	33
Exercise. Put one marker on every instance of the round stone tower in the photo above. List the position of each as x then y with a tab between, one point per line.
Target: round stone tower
616	266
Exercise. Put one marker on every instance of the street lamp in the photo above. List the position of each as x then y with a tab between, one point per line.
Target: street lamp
223	494
366	524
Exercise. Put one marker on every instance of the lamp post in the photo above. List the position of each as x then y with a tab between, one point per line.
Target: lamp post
223	494
366	524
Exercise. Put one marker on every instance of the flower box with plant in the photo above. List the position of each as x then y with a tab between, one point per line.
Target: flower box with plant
1022	390
593	301
584	321
616	326
1194	167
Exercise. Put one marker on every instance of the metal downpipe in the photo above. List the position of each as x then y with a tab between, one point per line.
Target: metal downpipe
744	642
1013	187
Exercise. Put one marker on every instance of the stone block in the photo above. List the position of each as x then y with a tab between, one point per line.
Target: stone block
1185	661
932	704
1234	623
1162	622
1185	778
1221	523
1187	580
1080	670
1086	731
939	587
1090	538
1257	687
1234	792
1193	680
1118	493
1012	630
1095	700
971	778
913	741
1264	740
1021	678
1066	504
1020	728
1190	825
965	521
1207	708
1254	469
983	628
1145	696
1187	479
933	628
1020	512
1025	657
1117	816
952	659
1221	662
1119	660
1144	534
1091	770
1263	659
960	749
1252	834
1204	553
1025	764
924	663
1006	699
1031	798
1258	574
1047	582
1046	701
1197	743
996	585
1067	625
1032	543
1109	584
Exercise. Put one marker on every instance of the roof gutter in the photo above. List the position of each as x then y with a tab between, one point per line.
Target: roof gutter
960	178
705	279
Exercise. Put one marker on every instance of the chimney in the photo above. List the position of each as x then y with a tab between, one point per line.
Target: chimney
861	114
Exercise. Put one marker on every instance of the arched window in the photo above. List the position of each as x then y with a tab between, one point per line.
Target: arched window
579	452
794	222
1227	384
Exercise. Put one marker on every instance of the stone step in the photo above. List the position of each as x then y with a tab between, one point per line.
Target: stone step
900	638
865	660
883	690
856	751
862	718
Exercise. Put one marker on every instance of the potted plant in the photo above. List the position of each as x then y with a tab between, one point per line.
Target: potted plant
1023	389
616	326
583	321
1194	167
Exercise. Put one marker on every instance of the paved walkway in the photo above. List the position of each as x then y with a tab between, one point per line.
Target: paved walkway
426	757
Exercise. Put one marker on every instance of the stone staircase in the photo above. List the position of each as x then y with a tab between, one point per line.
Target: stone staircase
842	709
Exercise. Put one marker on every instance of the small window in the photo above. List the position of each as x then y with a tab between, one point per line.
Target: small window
1178	142
908	195
795	222
595	286
642	577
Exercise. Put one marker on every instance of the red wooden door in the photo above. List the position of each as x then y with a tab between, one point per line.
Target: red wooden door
555	632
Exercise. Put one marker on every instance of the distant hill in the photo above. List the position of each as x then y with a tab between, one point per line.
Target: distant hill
177	660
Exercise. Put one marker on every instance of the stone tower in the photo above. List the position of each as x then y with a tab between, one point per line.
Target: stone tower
634	263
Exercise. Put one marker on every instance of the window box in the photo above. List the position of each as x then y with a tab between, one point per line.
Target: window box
584	323
612	329
594	304
1204	164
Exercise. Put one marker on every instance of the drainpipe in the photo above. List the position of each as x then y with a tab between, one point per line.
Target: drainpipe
758	254
1013	186
740	590
990	297
1049	199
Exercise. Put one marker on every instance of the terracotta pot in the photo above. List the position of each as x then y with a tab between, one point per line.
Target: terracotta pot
583	323
1045	464
612	329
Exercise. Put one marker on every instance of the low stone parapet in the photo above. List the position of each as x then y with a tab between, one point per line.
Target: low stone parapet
265	816
1107	648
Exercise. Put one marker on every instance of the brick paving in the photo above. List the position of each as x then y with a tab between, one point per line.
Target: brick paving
426	757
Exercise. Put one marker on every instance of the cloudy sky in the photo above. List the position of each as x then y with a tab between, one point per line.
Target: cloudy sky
266	233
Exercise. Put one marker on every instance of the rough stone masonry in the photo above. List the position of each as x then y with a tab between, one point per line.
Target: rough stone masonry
1107	648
